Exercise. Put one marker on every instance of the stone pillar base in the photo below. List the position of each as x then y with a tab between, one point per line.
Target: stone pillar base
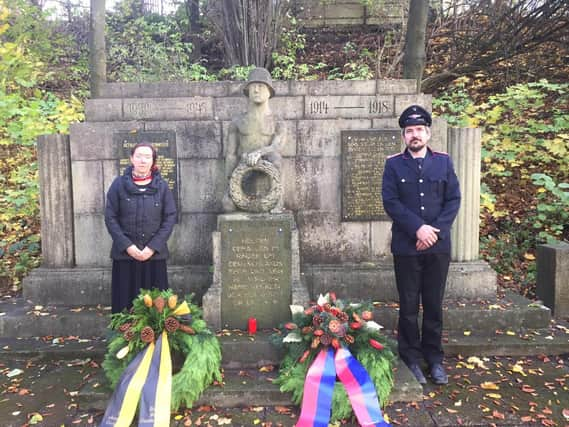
376	281
256	271
91	286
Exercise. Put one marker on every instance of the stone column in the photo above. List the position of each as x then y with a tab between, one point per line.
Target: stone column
56	201
464	147
553	277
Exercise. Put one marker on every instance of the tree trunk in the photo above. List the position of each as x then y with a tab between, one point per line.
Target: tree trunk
250	30
414	58
195	28
97	55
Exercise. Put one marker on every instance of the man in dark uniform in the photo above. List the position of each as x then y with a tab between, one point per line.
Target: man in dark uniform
421	195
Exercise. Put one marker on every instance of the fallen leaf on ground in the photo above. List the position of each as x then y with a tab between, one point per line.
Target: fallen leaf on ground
488	385
527	389
498	415
35	418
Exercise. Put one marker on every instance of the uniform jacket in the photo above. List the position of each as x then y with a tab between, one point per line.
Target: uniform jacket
145	218
413	197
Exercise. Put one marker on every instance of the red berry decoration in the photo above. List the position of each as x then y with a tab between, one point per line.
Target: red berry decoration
355	325
376	344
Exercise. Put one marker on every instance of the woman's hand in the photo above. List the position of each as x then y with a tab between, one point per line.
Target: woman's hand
146	253
134	252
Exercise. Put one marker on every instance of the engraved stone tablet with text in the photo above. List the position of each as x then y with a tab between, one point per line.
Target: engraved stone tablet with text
165	144
363	158
256	272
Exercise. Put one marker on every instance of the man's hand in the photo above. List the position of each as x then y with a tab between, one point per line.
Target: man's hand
253	158
420	246
426	237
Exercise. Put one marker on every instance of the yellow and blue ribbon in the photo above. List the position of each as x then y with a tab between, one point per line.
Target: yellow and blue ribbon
147	378
319	386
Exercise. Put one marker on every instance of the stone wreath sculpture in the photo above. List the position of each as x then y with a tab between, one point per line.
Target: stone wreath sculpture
254	203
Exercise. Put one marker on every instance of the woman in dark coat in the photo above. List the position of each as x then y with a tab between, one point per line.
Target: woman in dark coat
140	215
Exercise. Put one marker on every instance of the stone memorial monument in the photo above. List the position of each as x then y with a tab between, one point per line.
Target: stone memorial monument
289	190
255	253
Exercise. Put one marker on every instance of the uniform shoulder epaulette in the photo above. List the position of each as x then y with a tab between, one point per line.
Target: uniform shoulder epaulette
440	153
394	155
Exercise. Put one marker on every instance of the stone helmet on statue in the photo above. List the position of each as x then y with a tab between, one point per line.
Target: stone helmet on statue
259	75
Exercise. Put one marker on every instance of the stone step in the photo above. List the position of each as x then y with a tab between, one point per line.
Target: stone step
241	351
509	311
248	387
23	319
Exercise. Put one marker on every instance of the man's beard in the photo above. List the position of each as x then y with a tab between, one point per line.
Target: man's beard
416	148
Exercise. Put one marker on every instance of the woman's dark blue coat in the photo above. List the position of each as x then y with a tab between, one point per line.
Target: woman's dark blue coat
140	217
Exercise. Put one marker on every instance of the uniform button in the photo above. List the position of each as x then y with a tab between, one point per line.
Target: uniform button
421	180
402	179
422	208
145	234
422	194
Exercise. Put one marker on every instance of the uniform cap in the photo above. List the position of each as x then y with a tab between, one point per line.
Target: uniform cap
259	75
414	115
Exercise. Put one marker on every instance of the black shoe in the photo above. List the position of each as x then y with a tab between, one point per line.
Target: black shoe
438	374
416	370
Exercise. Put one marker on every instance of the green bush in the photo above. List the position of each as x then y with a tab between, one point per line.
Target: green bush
525	146
26	111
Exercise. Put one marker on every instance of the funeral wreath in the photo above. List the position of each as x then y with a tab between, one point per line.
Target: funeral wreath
334	324
153	312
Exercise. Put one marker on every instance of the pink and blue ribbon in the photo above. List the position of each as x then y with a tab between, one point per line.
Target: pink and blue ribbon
319	387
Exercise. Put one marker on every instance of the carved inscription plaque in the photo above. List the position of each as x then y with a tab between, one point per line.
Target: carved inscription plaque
363	158
256	272
168	109
350	106
165	144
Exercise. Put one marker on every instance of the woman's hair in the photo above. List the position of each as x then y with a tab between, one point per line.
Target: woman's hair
154	167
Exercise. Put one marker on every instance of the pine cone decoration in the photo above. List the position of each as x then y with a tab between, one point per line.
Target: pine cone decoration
317	320
147	300
128	335
342	316
159	303
125	327
172	302
147	334
325	339
187	329
349	339
171	324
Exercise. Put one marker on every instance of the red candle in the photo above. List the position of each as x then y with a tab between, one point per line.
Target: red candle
252	326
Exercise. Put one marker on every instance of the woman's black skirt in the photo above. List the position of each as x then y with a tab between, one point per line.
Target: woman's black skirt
130	276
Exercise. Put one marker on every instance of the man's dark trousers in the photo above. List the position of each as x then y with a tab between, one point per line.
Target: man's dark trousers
421	278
